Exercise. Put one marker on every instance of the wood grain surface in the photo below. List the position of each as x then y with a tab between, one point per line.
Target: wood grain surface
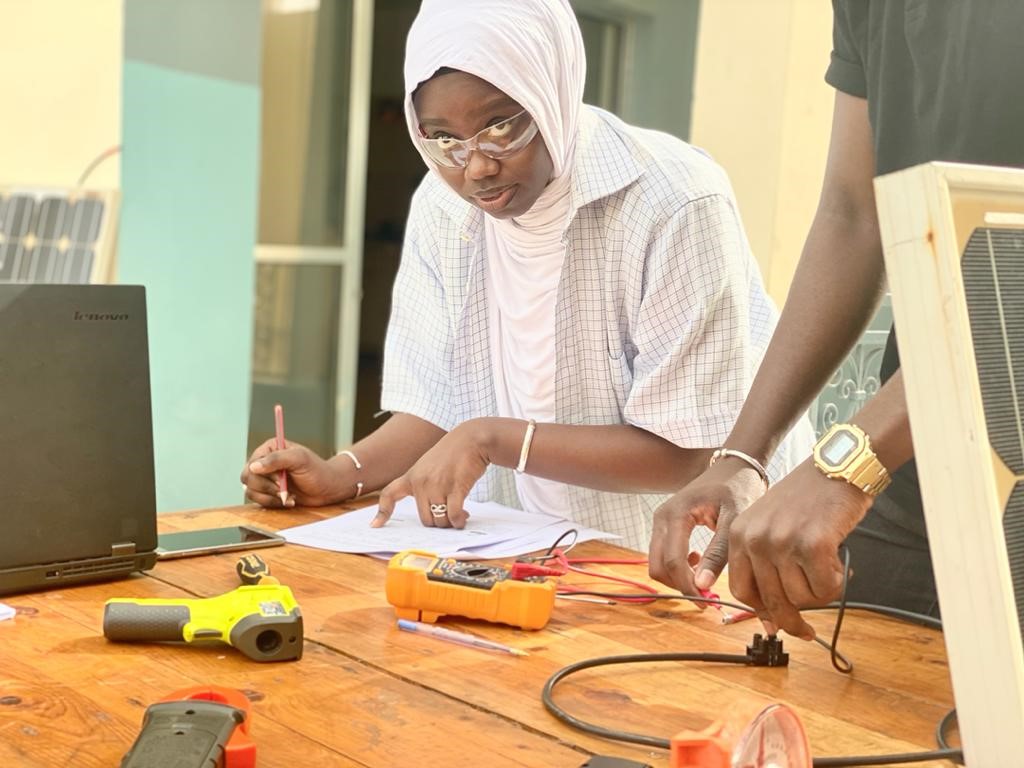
365	694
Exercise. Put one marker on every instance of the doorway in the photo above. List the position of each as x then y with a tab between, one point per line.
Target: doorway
336	151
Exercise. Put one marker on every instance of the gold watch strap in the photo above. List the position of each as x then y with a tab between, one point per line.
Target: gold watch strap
871	477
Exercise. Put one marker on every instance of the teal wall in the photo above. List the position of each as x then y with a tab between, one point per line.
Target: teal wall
189	180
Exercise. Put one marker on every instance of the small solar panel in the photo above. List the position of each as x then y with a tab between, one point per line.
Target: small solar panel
993	274
51	235
953	237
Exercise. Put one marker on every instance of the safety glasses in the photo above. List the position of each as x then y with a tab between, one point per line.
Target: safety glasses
498	141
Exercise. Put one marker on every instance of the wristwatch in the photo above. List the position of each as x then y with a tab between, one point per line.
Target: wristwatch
844	453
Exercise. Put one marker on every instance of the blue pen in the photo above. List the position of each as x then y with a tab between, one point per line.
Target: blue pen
456	637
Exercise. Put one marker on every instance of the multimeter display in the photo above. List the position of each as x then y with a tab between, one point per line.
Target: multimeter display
424	587
419	561
474	575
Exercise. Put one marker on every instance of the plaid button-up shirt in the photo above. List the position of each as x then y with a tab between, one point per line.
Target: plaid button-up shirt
661	316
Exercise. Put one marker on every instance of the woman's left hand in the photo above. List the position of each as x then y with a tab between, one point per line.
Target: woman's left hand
441	479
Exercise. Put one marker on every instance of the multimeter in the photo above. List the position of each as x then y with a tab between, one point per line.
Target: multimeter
424	587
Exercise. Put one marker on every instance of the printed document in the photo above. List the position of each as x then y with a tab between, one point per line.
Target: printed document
492	531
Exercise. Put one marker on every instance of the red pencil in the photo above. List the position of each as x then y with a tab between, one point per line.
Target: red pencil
282	476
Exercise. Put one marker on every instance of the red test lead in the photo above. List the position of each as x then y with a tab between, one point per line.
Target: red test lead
732	618
707	594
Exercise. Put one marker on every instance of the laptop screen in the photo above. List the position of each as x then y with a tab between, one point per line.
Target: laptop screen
76	428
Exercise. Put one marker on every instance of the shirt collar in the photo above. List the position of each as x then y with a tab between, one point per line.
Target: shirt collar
605	163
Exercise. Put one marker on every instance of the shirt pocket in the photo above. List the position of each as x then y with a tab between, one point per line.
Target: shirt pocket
620	354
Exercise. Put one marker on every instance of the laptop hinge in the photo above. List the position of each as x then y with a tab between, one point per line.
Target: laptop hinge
122	548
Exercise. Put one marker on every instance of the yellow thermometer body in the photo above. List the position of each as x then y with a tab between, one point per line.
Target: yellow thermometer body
263	621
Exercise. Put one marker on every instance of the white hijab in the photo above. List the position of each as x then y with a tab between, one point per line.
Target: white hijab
532	51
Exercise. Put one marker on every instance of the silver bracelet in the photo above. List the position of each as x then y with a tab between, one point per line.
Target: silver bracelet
359	486
524	454
721	453
351	456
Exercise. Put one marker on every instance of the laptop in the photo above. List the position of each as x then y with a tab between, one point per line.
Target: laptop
77	491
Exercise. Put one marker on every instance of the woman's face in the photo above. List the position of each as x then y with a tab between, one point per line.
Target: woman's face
460	105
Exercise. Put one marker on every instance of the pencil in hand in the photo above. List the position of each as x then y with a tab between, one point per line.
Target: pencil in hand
282	476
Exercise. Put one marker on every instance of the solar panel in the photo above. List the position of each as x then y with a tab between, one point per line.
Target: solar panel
54	235
953	237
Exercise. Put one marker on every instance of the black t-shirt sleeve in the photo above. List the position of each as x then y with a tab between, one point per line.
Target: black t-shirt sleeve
846	69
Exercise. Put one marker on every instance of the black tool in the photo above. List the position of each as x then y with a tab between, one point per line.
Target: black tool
253	569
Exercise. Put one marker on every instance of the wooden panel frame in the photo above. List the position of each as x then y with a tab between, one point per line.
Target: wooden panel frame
926	215
104	266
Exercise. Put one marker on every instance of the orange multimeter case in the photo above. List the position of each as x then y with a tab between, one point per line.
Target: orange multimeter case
424	587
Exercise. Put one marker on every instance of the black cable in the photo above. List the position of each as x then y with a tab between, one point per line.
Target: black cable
942	727
885	610
547	698
551	550
839	662
635	658
846	667
897	759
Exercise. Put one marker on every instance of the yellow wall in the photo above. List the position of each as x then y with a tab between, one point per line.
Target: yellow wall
289	49
60	64
763	110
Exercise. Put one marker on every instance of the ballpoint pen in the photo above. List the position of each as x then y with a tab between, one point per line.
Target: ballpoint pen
282	476
456	637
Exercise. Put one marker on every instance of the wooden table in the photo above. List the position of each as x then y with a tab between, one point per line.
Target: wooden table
365	694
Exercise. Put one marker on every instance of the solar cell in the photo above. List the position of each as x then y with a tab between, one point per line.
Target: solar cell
50	235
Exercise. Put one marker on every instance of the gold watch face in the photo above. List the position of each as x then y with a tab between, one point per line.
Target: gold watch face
838	448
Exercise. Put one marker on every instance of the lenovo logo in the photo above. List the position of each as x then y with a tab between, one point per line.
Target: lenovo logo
92	316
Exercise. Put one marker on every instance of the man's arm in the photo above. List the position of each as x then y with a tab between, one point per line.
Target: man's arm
783	551
835	291
837	286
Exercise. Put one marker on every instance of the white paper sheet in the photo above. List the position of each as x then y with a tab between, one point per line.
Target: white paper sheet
540	539
493	531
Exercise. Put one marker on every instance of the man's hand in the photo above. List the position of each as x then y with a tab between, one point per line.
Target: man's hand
441	479
783	551
312	482
712	499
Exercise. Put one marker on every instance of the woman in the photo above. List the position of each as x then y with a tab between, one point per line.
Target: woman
576	298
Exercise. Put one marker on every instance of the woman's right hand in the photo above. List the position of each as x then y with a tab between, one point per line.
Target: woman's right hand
312	481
